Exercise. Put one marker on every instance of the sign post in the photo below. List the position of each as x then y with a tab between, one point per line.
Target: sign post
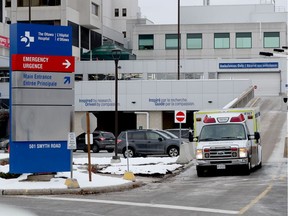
71	145
180	117
89	123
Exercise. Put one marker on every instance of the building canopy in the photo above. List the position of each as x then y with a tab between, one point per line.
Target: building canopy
104	52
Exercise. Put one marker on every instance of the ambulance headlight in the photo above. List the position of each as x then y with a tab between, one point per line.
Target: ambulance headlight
199	154
242	152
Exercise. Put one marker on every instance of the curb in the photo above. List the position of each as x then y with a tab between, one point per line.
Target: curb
90	190
86	190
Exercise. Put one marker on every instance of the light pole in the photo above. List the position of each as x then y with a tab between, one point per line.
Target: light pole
179	44
116	54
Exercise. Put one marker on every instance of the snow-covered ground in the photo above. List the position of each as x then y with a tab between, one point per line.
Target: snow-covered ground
147	166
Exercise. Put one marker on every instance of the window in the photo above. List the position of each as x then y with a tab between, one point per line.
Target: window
194	41
221	40
78	77
75	33
271	39
212	75
197	75
152	136
1	11
124	12
85	38
116	12
96	39
244	40
171	41
137	135
146	42
4	76
8	3
25	3
95	9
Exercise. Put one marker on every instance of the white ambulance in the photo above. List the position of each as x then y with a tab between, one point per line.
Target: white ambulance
227	139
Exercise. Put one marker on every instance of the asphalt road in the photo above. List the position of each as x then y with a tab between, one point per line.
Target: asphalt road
263	193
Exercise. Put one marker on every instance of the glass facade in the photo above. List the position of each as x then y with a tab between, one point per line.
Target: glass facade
221	40
174	76
194	41
75	33
25	3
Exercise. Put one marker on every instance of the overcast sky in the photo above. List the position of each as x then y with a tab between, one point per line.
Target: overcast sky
165	11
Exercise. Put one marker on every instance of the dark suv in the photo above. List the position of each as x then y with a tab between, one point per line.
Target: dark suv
185	133
147	142
102	140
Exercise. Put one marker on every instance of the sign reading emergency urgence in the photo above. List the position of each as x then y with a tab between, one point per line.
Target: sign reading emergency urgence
25	62
180	116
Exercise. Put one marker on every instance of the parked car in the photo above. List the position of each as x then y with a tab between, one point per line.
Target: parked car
4	143
184	133
102	140
147	142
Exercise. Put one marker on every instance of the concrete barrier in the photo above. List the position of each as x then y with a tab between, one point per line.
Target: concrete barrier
186	153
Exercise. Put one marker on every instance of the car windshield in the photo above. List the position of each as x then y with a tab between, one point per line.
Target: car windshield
222	132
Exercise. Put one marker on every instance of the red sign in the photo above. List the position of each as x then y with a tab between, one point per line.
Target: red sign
27	62
180	116
4	42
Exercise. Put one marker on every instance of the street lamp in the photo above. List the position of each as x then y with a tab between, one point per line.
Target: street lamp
116	54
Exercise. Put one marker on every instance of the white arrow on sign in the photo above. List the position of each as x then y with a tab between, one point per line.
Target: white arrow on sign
66	63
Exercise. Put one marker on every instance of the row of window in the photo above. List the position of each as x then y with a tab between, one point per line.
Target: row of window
136	76
150	76
25	3
221	41
85	33
117	12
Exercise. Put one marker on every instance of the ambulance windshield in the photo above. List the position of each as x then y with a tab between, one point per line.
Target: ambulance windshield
222	132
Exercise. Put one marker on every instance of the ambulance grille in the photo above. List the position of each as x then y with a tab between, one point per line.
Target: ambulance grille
220	153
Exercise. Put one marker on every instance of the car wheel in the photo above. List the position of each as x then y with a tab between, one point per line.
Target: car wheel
110	150
95	148
74	150
200	172
173	151
247	169
128	153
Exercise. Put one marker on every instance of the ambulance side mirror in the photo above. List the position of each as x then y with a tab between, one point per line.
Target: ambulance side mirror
257	136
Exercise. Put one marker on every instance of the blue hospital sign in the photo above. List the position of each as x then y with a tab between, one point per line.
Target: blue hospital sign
42	98
41	39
